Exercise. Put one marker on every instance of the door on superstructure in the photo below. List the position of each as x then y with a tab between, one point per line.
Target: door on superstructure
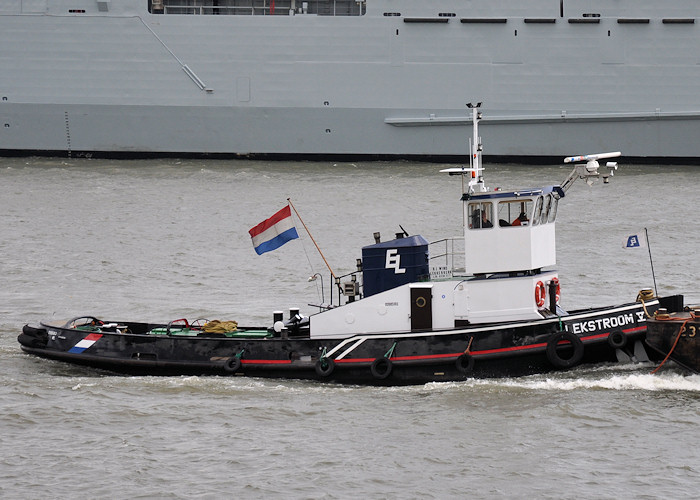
421	307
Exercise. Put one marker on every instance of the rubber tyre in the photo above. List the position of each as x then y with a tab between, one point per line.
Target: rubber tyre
232	364
617	339
381	368
33	337
324	367
554	357
464	364
31	341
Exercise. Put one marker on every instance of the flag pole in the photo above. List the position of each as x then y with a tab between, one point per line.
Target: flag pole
312	238
653	275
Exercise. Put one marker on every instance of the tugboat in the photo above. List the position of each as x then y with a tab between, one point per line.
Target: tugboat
407	315
676	336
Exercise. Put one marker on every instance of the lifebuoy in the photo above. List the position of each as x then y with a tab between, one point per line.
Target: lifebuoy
617	339
324	367
381	368
553	354
464	363
558	289
232	364
539	294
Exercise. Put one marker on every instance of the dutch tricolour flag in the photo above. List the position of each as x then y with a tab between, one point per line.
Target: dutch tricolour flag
274	232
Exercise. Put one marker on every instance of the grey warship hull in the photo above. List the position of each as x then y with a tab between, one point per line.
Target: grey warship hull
340	78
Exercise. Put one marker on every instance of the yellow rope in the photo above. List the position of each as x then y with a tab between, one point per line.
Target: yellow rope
216	326
646	294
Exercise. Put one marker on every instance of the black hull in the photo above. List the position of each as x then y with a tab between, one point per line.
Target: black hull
402	372
479	351
677	337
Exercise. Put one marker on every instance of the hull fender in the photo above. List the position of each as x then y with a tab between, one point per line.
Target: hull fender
555	356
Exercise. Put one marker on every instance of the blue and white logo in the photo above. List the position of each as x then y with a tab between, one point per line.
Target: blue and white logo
393	261
633	241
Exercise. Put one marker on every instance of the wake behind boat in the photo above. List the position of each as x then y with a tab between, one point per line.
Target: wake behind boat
411	313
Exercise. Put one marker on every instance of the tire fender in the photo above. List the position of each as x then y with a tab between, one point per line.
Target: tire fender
554	357
464	363
381	368
324	367
617	339
232	364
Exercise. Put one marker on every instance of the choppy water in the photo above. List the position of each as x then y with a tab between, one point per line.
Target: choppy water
164	239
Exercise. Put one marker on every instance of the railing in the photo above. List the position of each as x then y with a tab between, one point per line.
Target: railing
262	8
447	256
203	10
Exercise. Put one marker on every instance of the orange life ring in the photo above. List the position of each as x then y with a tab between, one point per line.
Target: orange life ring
557	293
539	294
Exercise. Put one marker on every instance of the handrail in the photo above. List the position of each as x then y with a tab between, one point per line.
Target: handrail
453	257
260	10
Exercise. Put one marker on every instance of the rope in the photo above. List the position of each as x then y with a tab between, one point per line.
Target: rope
646	294
289	200
308	259
306	253
217	326
666	317
390	352
469	346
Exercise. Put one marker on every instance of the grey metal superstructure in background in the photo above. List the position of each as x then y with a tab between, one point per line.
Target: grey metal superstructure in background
339	77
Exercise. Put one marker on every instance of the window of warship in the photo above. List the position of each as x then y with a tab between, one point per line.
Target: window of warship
480	215
514	213
258	7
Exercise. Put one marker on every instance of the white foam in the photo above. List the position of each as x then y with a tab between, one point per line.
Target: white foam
596	378
645	382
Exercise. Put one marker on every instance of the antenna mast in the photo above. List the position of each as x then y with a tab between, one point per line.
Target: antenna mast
476	183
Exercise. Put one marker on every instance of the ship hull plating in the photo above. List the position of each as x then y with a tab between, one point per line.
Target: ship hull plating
123	80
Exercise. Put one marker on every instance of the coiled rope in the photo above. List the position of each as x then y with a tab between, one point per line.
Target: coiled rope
645	295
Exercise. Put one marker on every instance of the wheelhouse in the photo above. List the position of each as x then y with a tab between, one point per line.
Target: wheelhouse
510	231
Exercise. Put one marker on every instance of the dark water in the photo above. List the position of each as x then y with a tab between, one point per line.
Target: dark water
160	240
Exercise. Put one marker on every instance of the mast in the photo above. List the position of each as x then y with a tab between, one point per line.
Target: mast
476	182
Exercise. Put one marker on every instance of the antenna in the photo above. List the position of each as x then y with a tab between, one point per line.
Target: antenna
589	171
475	169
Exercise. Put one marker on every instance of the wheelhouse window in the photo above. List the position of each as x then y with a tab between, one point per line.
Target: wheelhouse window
480	215
546	207
537	215
545	210
514	213
552	215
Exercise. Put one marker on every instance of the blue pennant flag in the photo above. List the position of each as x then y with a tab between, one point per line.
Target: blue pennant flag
638	240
